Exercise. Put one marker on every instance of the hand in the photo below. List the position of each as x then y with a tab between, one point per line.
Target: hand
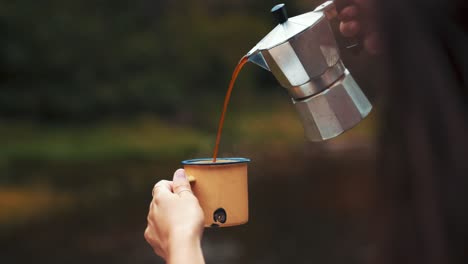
357	20
175	221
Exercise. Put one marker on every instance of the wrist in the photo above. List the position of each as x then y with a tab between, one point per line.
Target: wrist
184	248
182	238
185	234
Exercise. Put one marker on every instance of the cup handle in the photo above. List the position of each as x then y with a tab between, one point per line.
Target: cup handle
191	179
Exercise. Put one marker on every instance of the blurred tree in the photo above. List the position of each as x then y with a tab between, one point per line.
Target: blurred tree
88	60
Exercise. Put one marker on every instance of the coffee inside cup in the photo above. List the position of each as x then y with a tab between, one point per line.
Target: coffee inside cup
220	161
211	161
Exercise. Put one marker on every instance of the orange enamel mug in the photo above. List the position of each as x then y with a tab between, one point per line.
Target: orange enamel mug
221	188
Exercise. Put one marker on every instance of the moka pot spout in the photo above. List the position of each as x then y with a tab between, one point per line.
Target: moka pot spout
256	57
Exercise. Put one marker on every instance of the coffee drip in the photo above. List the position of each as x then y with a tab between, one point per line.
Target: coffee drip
238	68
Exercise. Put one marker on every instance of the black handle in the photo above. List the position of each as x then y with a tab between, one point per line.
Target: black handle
279	12
353	44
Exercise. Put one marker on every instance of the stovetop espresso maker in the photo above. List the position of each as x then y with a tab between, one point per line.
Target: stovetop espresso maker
303	55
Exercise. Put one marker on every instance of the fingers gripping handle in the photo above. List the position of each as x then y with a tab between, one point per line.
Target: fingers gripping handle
353	44
341	4
331	10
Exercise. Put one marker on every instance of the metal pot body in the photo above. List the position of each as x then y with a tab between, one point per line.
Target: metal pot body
302	53
308	63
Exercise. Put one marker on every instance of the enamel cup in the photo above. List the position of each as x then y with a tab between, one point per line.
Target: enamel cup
221	189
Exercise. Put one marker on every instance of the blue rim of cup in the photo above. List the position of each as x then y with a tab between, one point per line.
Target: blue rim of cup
230	161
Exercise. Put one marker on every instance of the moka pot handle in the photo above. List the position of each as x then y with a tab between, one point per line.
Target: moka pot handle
331	10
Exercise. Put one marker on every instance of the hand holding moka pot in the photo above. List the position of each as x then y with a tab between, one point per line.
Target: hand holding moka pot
303	55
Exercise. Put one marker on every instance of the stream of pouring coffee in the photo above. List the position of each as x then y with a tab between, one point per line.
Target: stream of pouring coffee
238	68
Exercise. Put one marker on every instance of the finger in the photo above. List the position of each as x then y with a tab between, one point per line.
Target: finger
147	235
153	241
350	28
181	185
158	250
372	43
362	3
161	189
348	13
152	214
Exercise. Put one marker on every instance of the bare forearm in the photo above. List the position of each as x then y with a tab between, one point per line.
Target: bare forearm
183	252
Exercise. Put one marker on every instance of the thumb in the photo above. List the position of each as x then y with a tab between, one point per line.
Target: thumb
180	183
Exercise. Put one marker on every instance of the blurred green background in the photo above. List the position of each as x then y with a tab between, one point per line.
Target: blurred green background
101	99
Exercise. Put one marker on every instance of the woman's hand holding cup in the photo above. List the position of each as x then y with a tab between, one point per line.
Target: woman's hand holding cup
175	221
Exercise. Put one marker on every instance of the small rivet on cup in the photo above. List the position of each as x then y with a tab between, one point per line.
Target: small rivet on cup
220	216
